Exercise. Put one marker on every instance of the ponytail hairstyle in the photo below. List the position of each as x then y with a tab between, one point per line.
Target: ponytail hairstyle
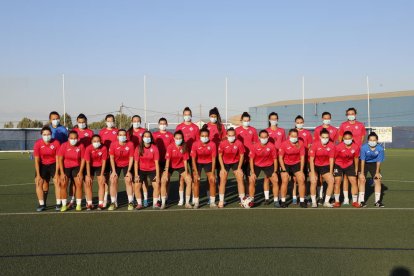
131	128
81	116
204	128
245	114
183	144
214	111
141	145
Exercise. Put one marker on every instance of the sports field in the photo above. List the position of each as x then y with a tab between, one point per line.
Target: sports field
262	240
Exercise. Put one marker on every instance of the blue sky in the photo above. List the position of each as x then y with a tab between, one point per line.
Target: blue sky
187	48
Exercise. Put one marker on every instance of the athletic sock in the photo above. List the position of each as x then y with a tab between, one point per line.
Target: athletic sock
163	199
354	198
145	196
113	199
196	200
78	201
328	197
64	202
221	197
377	197
187	199
41	202
313	197
100	202
361	197
181	193
58	201
105	196
283	199
266	194
276	199
72	199
212	200
139	201
336	197
241	196
302	199
295	197
346	197
130	198
89	202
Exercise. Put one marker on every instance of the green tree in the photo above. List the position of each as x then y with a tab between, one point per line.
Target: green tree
97	125
122	121
68	121
9	125
28	123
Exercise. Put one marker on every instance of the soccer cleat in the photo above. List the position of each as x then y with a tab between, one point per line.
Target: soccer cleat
346	202
295	201
188	206
64	208
130	206
320	201
328	205
89	207
314	205
180	203
303	205
221	204
276	204
357	205
363	204
266	202
157	205
145	203
78	207
58	207
162	206
213	206
379	204
70	205
40	208
283	205
112	207
100	207
337	204
138	207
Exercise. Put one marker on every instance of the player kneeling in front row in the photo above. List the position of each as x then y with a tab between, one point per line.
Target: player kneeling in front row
263	157
322	155
372	155
176	160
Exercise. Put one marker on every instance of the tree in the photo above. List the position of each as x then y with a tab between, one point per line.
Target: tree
68	121
97	125
122	121
28	123
9	125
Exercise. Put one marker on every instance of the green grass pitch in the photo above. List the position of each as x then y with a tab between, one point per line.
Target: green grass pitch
261	240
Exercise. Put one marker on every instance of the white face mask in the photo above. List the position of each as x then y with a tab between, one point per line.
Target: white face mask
263	141
204	139
162	127
326	122
55	122
351	117
348	142
372	143
47	138
324	141
293	139
146	140
246	123
299	126
73	142
213	120
136	125
96	145
178	141
231	138
122	139
109	124
273	122
187	118
81	125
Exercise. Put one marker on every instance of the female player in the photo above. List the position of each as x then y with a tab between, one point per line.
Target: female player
326	124
189	129
346	164
147	158
176	160
121	155
84	133
108	135
216	127
321	162
292	163
203	155
162	140
45	153
231	157
59	132
95	157
263	157
71	168
372	155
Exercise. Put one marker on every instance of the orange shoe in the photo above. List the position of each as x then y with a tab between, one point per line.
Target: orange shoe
337	204
356	205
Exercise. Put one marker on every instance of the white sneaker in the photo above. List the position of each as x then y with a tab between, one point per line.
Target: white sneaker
180	203
162	206
188	206
314	205
346	202
196	206
213	206
327	205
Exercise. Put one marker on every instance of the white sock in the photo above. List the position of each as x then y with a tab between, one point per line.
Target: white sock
346	197
195	200
187	199
145	196
64	202
181	193
58	201
313	197
336	197
354	198
241	196
328	197
221	197
276	199
89	202
377	197
302	199
283	199
72	199
163	199
139	201
41	202
361	197
130	198
113	199
212	200
106	196
100	202
295	197
266	194
78	201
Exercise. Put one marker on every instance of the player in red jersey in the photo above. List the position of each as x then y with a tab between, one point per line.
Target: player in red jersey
216	127
108	135
162	140
71	168
95	157
189	129
84	133
277	135
147	166
177	156
321	161
326	124
45	153
292	163
346	163
121	155
263	157
231	157
203	153
134	133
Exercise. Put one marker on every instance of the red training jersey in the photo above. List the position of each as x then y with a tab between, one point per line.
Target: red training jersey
121	153
291	153
147	160
231	151
215	134
96	156
176	155
344	156
322	153
263	155
191	133
163	140
305	136
204	153
72	155
84	136
357	129
108	136
46	152
136	136
276	136
247	136
333	133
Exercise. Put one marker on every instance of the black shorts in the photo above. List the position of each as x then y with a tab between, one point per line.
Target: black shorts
124	170
233	167
47	171
108	167
268	171
72	172
207	168
96	171
179	170
161	165
349	171
370	168
143	175
321	170
292	169
246	168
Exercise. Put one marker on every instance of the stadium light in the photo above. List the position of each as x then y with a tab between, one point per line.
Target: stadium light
64	100
369	108
303	96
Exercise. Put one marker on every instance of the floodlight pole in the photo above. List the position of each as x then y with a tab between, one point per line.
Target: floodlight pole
368	103
64	100
303	96
145	100
226	103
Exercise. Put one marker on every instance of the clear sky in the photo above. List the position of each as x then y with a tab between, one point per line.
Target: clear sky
187	48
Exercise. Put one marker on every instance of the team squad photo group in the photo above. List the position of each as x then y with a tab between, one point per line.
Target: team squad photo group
320	167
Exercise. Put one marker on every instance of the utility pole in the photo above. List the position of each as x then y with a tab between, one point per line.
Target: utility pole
199	122
120	115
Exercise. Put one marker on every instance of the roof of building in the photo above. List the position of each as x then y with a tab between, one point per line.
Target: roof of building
408	93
